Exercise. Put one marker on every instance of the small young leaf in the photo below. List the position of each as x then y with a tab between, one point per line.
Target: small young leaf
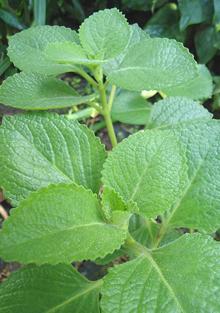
155	63
174	111
180	277
39	149
129	107
26	49
50	289
39	92
147	169
198	88
105	34
60	224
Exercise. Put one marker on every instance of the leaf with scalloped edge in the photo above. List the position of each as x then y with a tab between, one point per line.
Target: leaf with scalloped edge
147	169
174	111
49	289
60	224
153	63
198	88
39	92
26	49
39	149
105	34
180	277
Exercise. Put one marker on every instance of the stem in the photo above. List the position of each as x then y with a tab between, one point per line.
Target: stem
111	97
85	113
133	248
107	114
87	77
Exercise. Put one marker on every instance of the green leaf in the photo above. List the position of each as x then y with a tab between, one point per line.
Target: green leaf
195	12
39	149
217	14
67	52
146	169
59	224
26	49
39	92
136	35
11	19
155	63
49	289
197	205
204	42
165	23
180	277
198	88
129	107
174	111
104	34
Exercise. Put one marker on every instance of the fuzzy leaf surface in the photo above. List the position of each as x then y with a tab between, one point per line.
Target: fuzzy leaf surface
67	52
198	88
174	111
153	63
49	289
26	49
59	224
180	277
104	34
40	149
129	107
39	92
146	169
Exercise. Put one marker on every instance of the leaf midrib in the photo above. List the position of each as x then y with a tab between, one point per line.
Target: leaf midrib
164	280
76	296
31	240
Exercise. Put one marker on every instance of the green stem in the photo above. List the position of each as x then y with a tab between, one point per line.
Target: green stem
107	114
79	115
111	97
87	77
134	249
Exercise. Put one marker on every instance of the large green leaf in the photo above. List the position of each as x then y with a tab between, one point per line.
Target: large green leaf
39	149
104	34
155	63
49	289
198	88
39	92
197	204
174	111
147	169
26	49
129	107
195	12
67	52
180	277
60	224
